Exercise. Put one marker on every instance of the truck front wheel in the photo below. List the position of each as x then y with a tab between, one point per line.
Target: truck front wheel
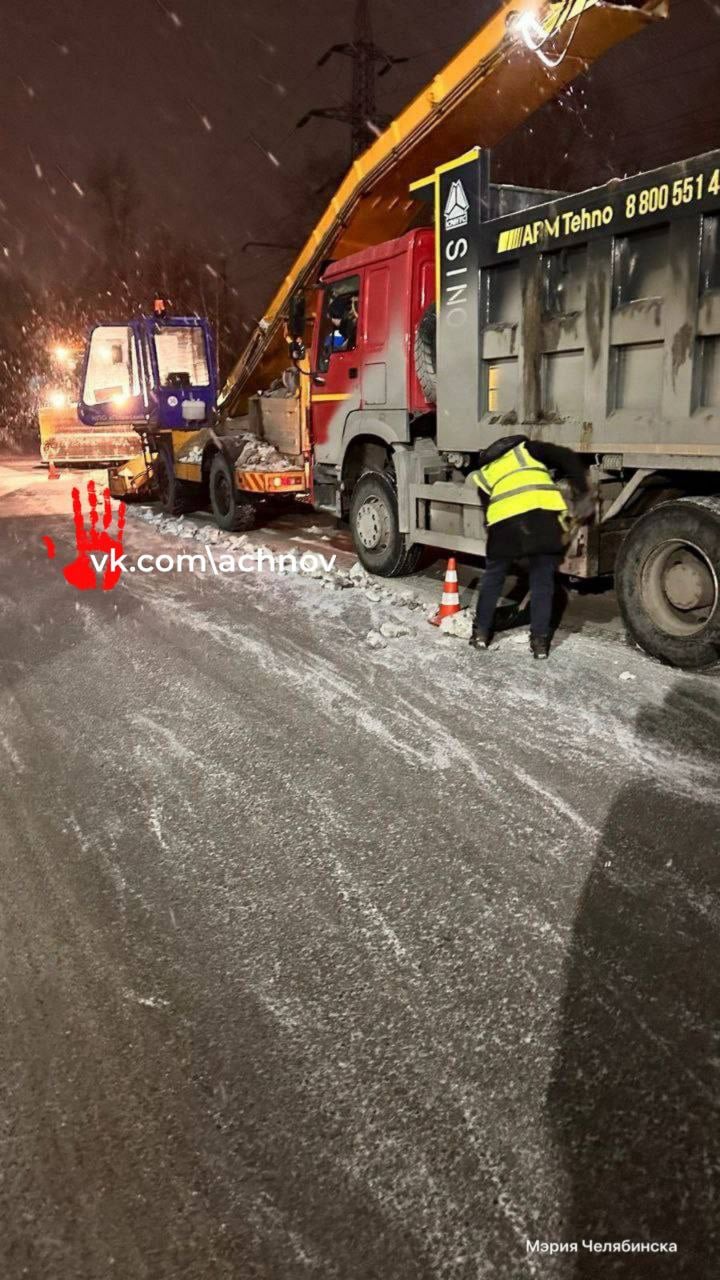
232	510
381	547
667	578
176	497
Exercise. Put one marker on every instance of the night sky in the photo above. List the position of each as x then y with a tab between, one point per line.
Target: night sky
203	97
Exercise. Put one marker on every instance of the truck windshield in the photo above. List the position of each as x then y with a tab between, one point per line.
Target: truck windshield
182	357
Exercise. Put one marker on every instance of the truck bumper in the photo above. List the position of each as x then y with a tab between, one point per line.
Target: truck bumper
293	481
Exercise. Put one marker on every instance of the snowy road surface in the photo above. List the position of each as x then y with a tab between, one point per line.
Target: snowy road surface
320	960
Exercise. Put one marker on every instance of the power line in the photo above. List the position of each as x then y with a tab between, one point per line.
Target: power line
360	113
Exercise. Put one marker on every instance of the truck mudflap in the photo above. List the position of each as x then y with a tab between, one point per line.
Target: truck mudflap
293	480
133	480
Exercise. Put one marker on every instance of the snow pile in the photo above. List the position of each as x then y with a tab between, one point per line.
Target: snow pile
259	455
458	624
393	630
376	593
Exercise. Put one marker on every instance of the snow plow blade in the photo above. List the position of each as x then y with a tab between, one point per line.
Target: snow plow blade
64	439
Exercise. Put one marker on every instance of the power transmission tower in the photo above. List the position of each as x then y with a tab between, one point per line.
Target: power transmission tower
360	113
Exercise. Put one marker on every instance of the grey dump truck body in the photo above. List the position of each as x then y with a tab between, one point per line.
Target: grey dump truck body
590	320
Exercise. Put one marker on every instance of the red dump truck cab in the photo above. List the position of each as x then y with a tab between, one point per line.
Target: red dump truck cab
368	309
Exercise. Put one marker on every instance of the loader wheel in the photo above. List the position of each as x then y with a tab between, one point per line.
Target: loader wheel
425	353
667	578
175	496
375	528
232	510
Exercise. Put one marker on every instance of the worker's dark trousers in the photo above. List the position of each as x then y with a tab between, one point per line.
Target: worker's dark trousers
542	590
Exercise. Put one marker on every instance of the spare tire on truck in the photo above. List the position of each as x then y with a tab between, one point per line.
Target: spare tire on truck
667	578
426	353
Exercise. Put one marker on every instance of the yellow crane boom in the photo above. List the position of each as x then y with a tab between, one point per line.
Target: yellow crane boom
523	56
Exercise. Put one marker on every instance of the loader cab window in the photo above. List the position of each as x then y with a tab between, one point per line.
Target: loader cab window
112	373
339	319
182	357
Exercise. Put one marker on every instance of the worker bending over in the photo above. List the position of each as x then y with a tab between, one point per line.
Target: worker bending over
527	519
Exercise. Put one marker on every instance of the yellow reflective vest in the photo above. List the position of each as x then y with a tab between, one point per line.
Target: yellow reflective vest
515	483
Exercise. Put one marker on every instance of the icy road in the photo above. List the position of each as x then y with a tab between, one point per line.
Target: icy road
323	960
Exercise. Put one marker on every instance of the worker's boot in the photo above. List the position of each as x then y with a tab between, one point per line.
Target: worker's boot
539	646
479	639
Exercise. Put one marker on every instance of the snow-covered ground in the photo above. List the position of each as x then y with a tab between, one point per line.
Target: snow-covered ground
333	958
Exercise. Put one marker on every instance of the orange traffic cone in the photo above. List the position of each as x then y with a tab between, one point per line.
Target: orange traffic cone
450	602
53	471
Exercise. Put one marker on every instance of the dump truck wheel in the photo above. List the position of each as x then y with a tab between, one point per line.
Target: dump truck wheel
425	353
176	498
374	524
667	578
232	510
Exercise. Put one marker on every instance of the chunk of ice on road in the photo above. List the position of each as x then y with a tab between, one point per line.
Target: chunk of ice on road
458	624
626	675
208	534
408	600
374	640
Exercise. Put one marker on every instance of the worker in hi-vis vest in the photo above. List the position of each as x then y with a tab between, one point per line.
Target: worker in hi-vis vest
527	519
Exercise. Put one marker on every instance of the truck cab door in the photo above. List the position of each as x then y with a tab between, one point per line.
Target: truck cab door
113	385
337	389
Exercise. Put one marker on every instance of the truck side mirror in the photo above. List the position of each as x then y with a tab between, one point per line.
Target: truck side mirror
296	316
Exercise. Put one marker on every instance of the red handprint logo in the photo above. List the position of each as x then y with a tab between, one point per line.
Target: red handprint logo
98	552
